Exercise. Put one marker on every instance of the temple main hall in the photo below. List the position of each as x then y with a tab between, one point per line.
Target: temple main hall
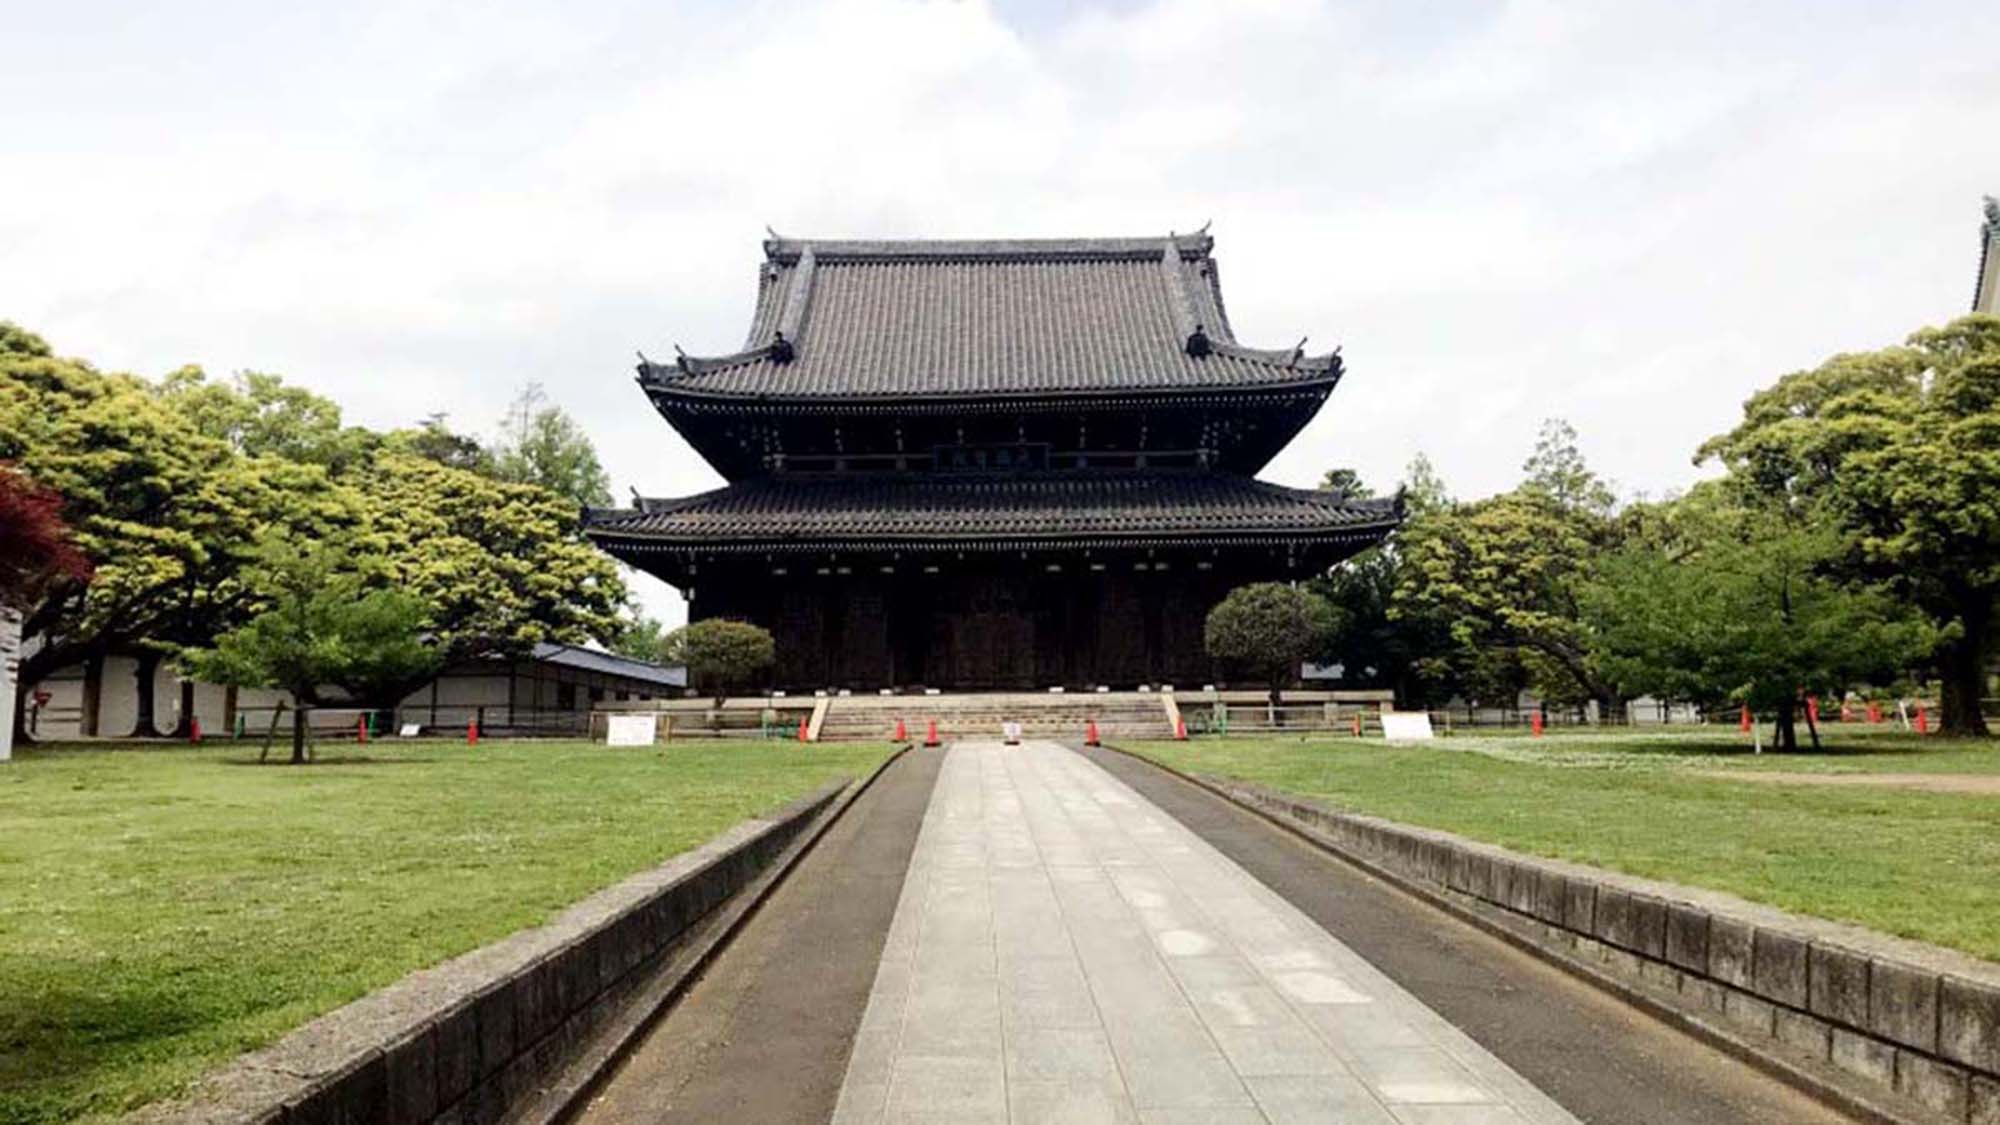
983	465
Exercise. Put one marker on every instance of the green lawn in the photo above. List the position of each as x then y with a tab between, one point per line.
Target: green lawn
1924	865
164	909
1851	748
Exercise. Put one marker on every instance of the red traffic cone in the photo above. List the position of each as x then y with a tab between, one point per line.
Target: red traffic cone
1744	724
930	735
361	729
472	733
902	734
1090	733
1874	712
194	729
1923	720
802	730
1180	728
1535	723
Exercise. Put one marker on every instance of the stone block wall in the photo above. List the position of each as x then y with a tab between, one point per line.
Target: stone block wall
1914	1021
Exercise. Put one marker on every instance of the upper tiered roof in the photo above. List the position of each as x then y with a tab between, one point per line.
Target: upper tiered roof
950	318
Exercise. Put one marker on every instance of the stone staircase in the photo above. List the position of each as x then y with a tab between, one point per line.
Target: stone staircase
1057	716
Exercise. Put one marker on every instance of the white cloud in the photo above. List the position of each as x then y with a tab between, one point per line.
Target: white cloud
1627	215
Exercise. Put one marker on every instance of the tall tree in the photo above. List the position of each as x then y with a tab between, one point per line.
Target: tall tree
1901	449
1377	643
640	636
542	445
499	567
1717	605
167	515
259	415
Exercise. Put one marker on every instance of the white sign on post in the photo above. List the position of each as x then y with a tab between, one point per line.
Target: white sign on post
629	730
1406	726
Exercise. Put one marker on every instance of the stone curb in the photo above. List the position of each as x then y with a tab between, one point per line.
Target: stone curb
466	1040
571	1087
1891	1029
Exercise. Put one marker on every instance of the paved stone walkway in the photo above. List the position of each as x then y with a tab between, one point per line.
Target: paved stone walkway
1065	952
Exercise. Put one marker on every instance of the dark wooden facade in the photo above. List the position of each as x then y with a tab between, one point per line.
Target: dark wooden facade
990	465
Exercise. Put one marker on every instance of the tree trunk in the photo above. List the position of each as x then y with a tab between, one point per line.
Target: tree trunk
184	724
143	725
229	710
1277	693
298	736
1785	734
1964	666
93	694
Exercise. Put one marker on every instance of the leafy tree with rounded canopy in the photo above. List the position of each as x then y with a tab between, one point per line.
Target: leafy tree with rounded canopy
1718	606
1504	574
168	515
1270	628
720	655
326	623
541	444
499	567
1899	448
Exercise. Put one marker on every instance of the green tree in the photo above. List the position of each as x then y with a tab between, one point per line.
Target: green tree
1557	470
1270	628
325	622
542	445
258	415
720	655
1503	576
1407	651
499	567
1900	449
1725	607
1346	484
640	636
167	515
433	440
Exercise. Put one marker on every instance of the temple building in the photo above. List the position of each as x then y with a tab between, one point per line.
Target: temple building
977	465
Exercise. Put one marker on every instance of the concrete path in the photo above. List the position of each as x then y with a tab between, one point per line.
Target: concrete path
1064	951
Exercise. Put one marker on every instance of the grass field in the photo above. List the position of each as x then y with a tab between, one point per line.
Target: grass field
1923	865
164	909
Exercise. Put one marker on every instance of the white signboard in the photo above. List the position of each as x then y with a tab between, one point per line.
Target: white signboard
410	730
628	730
1406	726
1011	731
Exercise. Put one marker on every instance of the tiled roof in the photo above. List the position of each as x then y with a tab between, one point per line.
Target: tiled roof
982	318
966	510
609	663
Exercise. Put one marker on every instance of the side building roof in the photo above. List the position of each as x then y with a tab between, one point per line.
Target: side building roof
609	663
983	318
876	512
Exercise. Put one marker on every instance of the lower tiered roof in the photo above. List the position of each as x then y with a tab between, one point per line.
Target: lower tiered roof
1111	508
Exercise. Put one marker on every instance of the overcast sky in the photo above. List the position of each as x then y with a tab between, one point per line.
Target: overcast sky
1626	215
